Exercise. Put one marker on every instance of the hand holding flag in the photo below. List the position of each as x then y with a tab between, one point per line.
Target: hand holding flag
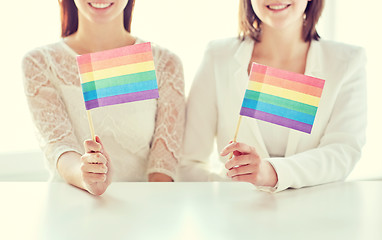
284	98
276	96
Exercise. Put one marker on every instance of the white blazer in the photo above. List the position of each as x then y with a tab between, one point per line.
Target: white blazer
328	154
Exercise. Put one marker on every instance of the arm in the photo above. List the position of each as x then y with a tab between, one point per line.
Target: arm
54	129
201	125
55	132
340	146
170	118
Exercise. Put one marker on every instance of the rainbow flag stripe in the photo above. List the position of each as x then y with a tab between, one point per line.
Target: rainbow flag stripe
283	98
117	76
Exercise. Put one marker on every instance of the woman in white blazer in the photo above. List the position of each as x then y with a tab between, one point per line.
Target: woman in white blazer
273	157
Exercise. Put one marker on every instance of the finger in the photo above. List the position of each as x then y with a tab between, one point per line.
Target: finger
93	158
90	178
237	153
98	140
251	178
242	170
94	168
242	160
237	146
92	146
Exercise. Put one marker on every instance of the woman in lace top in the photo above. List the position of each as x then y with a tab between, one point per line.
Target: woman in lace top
140	140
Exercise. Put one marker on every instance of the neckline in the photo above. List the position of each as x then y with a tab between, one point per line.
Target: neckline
75	54
308	61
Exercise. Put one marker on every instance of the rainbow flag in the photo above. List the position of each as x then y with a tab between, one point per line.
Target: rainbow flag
117	76
280	97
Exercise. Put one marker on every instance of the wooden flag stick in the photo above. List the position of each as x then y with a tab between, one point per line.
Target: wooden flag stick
235	137
90	120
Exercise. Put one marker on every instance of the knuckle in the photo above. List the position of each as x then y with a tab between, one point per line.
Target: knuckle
101	157
253	159
238	178
83	167
228	165
84	176
100	177
84	157
255	177
253	168
88	143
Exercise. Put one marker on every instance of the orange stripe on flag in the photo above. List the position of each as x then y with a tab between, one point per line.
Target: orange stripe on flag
287	84
115	62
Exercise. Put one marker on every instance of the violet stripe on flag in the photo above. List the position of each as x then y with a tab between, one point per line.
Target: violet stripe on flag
283	98
130	97
118	76
286	122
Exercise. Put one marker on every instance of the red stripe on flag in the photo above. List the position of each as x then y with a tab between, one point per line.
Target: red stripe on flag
114	53
301	78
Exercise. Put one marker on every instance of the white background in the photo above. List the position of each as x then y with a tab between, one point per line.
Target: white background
184	27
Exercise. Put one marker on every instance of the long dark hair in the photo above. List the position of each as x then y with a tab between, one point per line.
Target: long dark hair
250	23
69	16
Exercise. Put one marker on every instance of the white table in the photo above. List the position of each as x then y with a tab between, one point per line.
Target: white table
347	210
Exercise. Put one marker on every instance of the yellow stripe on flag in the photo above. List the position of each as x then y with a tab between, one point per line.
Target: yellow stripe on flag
284	93
117	71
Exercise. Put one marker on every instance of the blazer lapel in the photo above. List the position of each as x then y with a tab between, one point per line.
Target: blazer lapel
313	68
242	57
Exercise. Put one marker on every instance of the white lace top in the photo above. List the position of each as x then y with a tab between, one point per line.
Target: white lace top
140	137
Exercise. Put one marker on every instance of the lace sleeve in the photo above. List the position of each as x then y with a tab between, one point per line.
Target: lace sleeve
54	130
170	118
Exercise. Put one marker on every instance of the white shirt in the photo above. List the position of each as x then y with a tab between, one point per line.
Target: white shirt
328	154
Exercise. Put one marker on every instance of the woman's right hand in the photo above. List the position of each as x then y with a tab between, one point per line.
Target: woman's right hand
95	167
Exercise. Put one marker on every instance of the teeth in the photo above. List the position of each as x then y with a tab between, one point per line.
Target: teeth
277	7
100	5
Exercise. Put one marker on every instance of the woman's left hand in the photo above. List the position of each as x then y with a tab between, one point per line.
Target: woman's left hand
159	177
247	166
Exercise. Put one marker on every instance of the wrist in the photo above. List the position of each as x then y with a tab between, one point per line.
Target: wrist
69	168
159	177
271	178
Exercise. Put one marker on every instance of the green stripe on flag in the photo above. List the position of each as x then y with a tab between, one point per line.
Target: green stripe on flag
281	102
118	81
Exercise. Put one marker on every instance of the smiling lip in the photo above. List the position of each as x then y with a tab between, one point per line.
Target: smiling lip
100	5
278	7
